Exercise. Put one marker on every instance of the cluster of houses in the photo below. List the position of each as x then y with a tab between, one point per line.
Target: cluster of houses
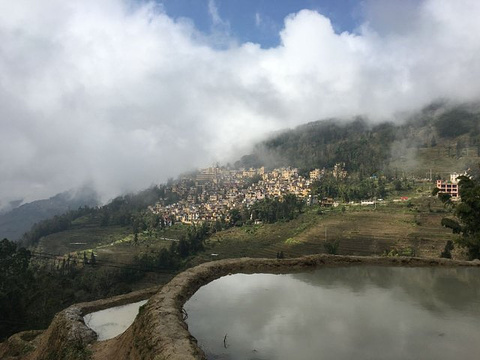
210	194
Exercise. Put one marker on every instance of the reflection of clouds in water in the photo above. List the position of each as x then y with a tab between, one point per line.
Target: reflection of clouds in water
339	312
111	322
435	287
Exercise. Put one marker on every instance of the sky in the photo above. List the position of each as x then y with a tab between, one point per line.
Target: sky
123	94
260	21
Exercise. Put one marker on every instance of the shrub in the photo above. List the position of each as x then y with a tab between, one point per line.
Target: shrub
332	247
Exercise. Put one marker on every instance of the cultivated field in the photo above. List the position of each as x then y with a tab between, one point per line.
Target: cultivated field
409	228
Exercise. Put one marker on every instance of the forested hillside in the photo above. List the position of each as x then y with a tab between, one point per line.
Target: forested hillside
433	138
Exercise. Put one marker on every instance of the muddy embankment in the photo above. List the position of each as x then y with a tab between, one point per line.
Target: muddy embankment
159	331
67	337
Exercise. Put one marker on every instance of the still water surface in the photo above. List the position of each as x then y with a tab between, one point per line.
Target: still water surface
114	321
340	313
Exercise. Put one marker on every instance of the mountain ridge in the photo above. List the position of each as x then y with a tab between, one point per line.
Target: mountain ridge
19	220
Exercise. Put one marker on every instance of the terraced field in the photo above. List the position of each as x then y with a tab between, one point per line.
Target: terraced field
409	228
85	237
113	244
376	232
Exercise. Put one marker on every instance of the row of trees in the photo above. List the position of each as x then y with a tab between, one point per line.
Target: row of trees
268	210
350	189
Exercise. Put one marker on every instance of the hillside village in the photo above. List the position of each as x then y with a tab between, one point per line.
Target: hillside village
213	192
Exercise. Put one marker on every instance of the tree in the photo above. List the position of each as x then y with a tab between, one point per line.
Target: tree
468	214
447	251
183	248
398	185
235	217
452	224
93	259
15	279
332	247
459	148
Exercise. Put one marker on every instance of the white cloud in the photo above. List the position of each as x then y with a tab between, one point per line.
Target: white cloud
122	95
213	11
258	19
217	20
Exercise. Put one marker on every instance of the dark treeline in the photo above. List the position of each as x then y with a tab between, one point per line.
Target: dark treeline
268	210
56	224
354	189
33	289
120	210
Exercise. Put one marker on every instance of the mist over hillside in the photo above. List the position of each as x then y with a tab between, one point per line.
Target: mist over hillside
19	220
441	138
